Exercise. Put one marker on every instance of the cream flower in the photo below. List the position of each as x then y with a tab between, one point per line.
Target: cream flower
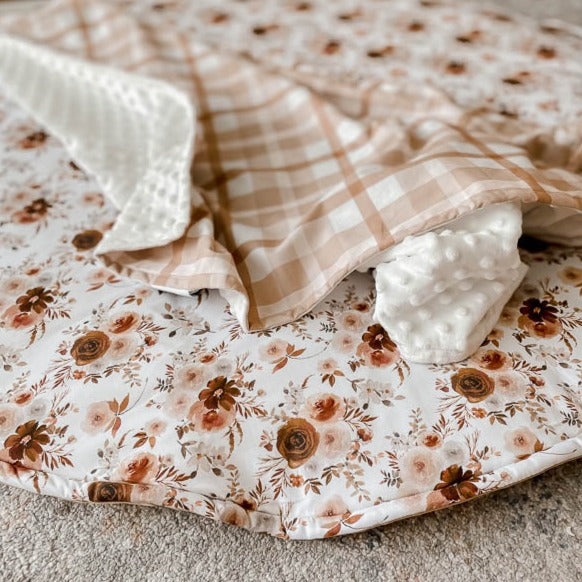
327	366
334	440
190	377
99	416
178	403
344	343
14	285
122	346
510	384
274	350
333	506
9	418
350	321
419	468
155	427
522	441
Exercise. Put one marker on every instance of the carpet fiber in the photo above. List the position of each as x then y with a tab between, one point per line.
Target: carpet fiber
531	531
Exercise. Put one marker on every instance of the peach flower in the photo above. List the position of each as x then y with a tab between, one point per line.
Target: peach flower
99	417
510	384
334	440
419	468
344	343
327	366
571	275
123	346
16	319
155	427
14	285
142	468
436	500
123	322
207	358
178	403
274	350
190	377
325	407
493	360
234	514
144	494
431	440
333	506
9	418
23	397
377	358
350	321
205	420
522	442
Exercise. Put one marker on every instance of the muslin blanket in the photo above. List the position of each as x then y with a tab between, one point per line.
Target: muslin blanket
270	174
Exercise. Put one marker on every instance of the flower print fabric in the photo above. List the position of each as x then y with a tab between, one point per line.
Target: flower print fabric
113	392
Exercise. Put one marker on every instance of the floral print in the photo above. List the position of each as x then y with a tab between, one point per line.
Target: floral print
113	392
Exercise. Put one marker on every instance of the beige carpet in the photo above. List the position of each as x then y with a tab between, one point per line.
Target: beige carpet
530	532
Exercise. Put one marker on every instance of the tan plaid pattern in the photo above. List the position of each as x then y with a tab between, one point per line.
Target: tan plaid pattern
300	182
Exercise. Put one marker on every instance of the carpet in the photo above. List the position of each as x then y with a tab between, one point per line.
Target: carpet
530	531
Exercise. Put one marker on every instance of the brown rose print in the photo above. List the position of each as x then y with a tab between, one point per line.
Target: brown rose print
109	492
297	441
87	240
90	347
473	384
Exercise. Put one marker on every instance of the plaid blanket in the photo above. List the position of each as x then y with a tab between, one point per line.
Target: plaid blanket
301	175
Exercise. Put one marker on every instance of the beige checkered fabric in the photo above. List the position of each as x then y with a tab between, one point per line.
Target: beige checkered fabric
301	181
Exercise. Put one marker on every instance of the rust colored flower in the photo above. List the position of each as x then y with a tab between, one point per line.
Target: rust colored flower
109	492
365	434
538	310
27	441
87	240
377	338
297	441
219	392
458	485
325	407
478	412
122	322
142	468
473	384
296	480
90	347
33	140
492	360
36	300
542	329
38	207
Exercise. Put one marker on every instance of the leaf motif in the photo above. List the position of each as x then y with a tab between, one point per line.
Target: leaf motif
353	518
333	531
124	404
281	364
116	426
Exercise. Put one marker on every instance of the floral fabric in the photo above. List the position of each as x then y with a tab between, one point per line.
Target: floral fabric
113	392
